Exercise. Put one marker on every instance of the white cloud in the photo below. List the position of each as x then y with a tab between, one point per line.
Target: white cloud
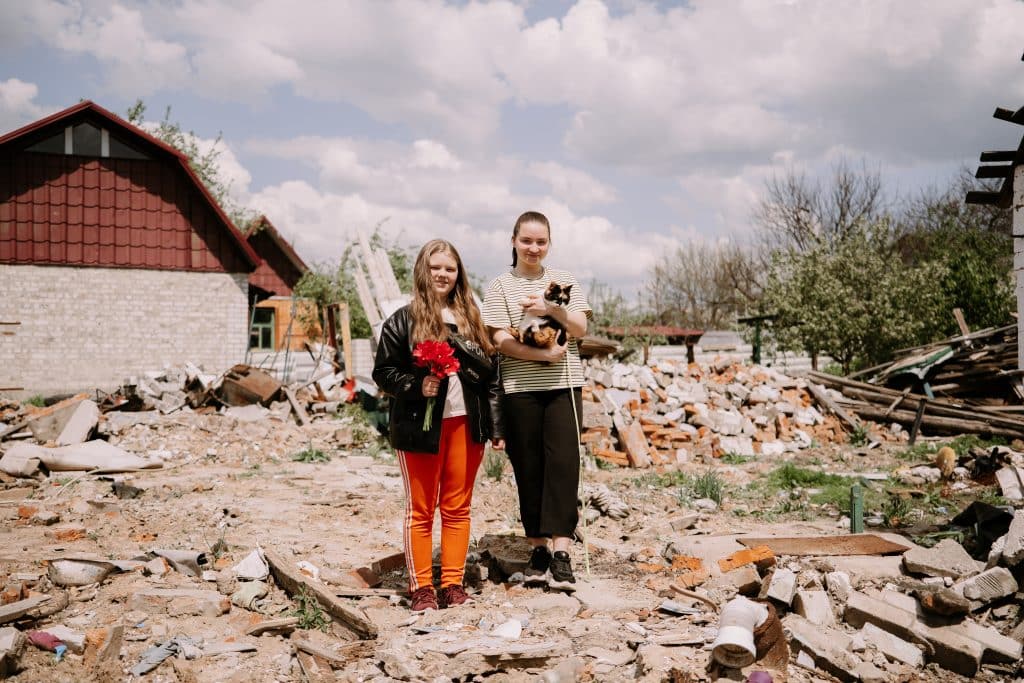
660	89
573	184
709	96
474	205
137	59
17	104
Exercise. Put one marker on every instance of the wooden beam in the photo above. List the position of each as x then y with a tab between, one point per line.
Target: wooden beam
345	324
300	412
1001	156
958	314
983	198
16	610
293	581
1009	115
994	171
823	398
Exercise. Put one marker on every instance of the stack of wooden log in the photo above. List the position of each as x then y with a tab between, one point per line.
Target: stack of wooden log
979	368
917	411
968	384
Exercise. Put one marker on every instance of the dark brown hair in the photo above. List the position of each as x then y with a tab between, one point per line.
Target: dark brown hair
426	310
528	217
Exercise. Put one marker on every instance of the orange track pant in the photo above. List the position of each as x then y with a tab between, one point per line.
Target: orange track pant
443	480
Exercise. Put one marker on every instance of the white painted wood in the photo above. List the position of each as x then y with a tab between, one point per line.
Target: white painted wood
1018	256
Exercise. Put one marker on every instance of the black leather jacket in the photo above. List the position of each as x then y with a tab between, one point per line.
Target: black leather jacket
396	375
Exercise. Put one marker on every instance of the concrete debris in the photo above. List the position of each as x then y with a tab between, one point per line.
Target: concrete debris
986	587
253	568
12	643
92	456
946	558
891	646
1013	543
814	606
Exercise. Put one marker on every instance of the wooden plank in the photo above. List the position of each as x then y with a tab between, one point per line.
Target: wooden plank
282	624
300	412
896	401
365	297
958	313
312	669
848	544
292	581
16	610
345	323
348	651
823	398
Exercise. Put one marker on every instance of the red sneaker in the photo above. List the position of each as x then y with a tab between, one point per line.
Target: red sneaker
423	599
453	595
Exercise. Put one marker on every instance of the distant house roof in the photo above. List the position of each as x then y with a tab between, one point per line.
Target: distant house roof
138	203
281	267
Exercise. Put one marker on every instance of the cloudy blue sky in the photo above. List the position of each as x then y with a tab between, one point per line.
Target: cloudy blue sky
636	126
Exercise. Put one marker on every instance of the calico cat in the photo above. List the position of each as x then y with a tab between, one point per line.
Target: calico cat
542	331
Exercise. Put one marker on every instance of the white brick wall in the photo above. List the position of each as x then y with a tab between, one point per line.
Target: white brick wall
85	328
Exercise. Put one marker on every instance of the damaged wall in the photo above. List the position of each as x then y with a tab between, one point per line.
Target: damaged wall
83	328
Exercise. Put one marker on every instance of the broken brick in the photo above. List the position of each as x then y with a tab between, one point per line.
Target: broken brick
762	556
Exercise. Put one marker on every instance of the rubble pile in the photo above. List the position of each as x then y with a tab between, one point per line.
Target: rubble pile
671	412
162	533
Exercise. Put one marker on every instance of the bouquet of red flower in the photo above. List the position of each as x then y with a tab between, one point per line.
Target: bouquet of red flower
439	359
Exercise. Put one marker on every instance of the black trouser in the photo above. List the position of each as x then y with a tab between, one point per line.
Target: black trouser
543	446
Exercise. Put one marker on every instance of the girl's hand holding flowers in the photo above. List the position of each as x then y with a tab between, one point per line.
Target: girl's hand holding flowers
439	359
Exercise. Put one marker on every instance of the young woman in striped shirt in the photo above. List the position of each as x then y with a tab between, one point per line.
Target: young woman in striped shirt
541	389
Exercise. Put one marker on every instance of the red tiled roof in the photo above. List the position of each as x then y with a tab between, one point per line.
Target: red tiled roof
69	209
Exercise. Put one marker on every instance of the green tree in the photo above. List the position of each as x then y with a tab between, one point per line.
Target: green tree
206	165
855	299
975	244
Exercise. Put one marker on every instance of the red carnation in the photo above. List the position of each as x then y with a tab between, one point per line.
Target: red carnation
439	359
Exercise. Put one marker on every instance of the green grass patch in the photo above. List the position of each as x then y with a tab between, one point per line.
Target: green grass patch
790	476
965	442
961	445
735	458
494	463
311	454
689	487
791	488
310	614
38	401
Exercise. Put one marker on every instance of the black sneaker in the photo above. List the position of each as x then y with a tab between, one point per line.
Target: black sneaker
536	573
561	573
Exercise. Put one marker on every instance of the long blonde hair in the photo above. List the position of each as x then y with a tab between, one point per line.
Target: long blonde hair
426	309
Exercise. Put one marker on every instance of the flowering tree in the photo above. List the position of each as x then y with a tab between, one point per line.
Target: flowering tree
855	300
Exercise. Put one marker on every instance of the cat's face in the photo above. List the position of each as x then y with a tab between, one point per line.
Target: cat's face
558	294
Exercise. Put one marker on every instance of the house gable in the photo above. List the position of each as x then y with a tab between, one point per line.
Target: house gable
281	268
112	196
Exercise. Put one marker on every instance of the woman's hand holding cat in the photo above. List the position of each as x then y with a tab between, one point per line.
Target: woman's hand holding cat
534	304
554	353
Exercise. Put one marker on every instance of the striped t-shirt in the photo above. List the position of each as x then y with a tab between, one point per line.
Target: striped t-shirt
502	310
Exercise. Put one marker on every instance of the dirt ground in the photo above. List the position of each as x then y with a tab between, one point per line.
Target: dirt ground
230	486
